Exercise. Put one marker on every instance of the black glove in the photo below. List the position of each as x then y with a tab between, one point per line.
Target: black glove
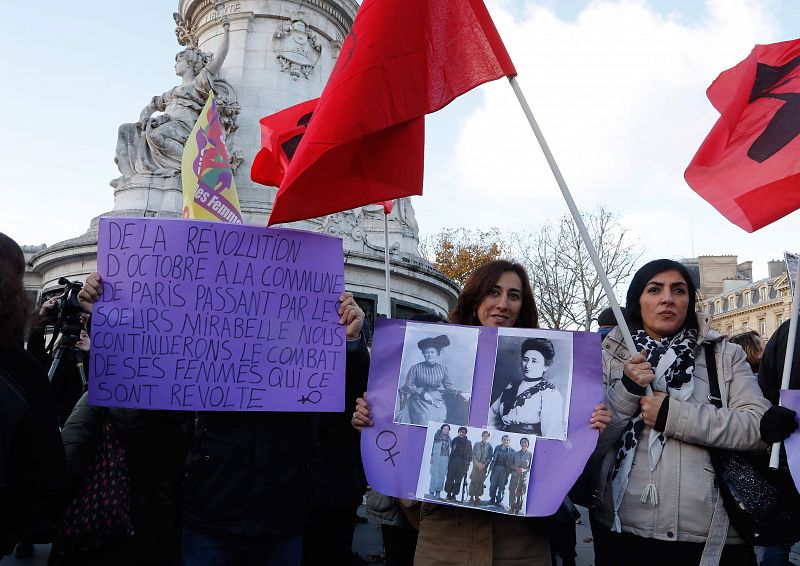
777	424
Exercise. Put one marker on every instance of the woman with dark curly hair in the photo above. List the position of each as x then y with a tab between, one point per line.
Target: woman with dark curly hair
32	464
496	294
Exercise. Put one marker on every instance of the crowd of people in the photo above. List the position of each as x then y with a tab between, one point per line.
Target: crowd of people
229	488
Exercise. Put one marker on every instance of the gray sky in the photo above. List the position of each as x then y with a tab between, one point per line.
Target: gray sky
617	86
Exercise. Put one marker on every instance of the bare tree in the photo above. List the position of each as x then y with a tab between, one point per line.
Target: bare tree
568	289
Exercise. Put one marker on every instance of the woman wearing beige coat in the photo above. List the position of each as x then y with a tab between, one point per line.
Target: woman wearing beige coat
660	494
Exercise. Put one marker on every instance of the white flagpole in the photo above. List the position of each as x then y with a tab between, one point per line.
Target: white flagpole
386	263
774	457
576	216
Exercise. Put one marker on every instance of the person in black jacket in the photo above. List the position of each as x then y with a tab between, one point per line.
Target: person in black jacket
32	464
248	483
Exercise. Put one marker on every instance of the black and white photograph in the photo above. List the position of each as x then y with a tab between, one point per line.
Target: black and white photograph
476	467
532	383
436	372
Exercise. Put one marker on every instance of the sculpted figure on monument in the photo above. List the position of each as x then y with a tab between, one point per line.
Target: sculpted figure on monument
154	144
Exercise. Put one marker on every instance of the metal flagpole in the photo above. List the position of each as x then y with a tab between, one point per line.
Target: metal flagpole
386	263
576	216
774	457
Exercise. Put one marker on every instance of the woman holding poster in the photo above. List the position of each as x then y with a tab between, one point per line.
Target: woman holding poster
497	294
661	494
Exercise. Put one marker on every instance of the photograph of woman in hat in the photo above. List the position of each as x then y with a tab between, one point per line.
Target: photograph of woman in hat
438	387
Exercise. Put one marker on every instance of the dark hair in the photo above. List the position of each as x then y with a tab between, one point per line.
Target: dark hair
444	425
14	303
645	274
525	439
541	345
462	428
749	343
479	284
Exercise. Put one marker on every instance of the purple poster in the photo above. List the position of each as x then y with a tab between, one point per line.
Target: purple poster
569	369
207	316
790	398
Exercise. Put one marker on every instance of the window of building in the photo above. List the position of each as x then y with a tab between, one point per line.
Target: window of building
762	293
731	302
729	330
747	300
762	327
745	326
717	306
779	318
404	310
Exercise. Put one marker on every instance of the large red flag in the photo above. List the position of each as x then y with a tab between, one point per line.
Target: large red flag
402	59
748	167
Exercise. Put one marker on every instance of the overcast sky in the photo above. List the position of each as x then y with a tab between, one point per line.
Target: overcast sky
618	88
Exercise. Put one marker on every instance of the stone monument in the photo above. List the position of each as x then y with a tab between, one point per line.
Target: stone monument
259	57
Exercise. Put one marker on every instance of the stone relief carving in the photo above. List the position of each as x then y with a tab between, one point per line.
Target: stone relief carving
153	146
183	31
361	228
297	49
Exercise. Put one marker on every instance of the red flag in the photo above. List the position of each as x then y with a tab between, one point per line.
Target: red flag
748	167
280	134
402	59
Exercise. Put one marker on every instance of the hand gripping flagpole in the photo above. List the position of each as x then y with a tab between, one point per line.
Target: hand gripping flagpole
576	216
775	455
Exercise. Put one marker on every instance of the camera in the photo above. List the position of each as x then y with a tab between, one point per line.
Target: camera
68	321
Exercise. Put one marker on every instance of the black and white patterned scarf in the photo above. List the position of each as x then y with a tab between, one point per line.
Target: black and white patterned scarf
672	360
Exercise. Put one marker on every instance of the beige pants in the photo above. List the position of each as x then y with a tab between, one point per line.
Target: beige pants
466	537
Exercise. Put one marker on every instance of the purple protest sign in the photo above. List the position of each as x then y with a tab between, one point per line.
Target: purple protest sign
790	398
208	316
392	453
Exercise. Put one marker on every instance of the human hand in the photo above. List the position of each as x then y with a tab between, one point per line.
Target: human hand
777	424
601	417
650	406
351	315
639	369
44	310
362	416
91	291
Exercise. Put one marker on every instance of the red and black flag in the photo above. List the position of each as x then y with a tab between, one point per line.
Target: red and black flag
748	167
365	143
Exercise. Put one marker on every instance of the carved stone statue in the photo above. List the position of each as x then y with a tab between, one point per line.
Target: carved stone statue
154	145
296	47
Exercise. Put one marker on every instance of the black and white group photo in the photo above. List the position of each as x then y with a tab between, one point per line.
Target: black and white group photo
436	372
475	467
532	383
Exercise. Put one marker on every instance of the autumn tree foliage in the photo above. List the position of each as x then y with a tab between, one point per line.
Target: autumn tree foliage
457	252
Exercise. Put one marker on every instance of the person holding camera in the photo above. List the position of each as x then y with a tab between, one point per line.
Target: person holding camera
68	379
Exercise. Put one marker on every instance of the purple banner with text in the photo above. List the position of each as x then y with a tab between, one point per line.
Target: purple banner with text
505	397
790	398
206	316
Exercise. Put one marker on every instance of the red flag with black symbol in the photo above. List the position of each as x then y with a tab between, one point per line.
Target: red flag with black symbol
280	135
402	59
748	167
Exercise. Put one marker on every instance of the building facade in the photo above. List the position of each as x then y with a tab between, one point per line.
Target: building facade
735	302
